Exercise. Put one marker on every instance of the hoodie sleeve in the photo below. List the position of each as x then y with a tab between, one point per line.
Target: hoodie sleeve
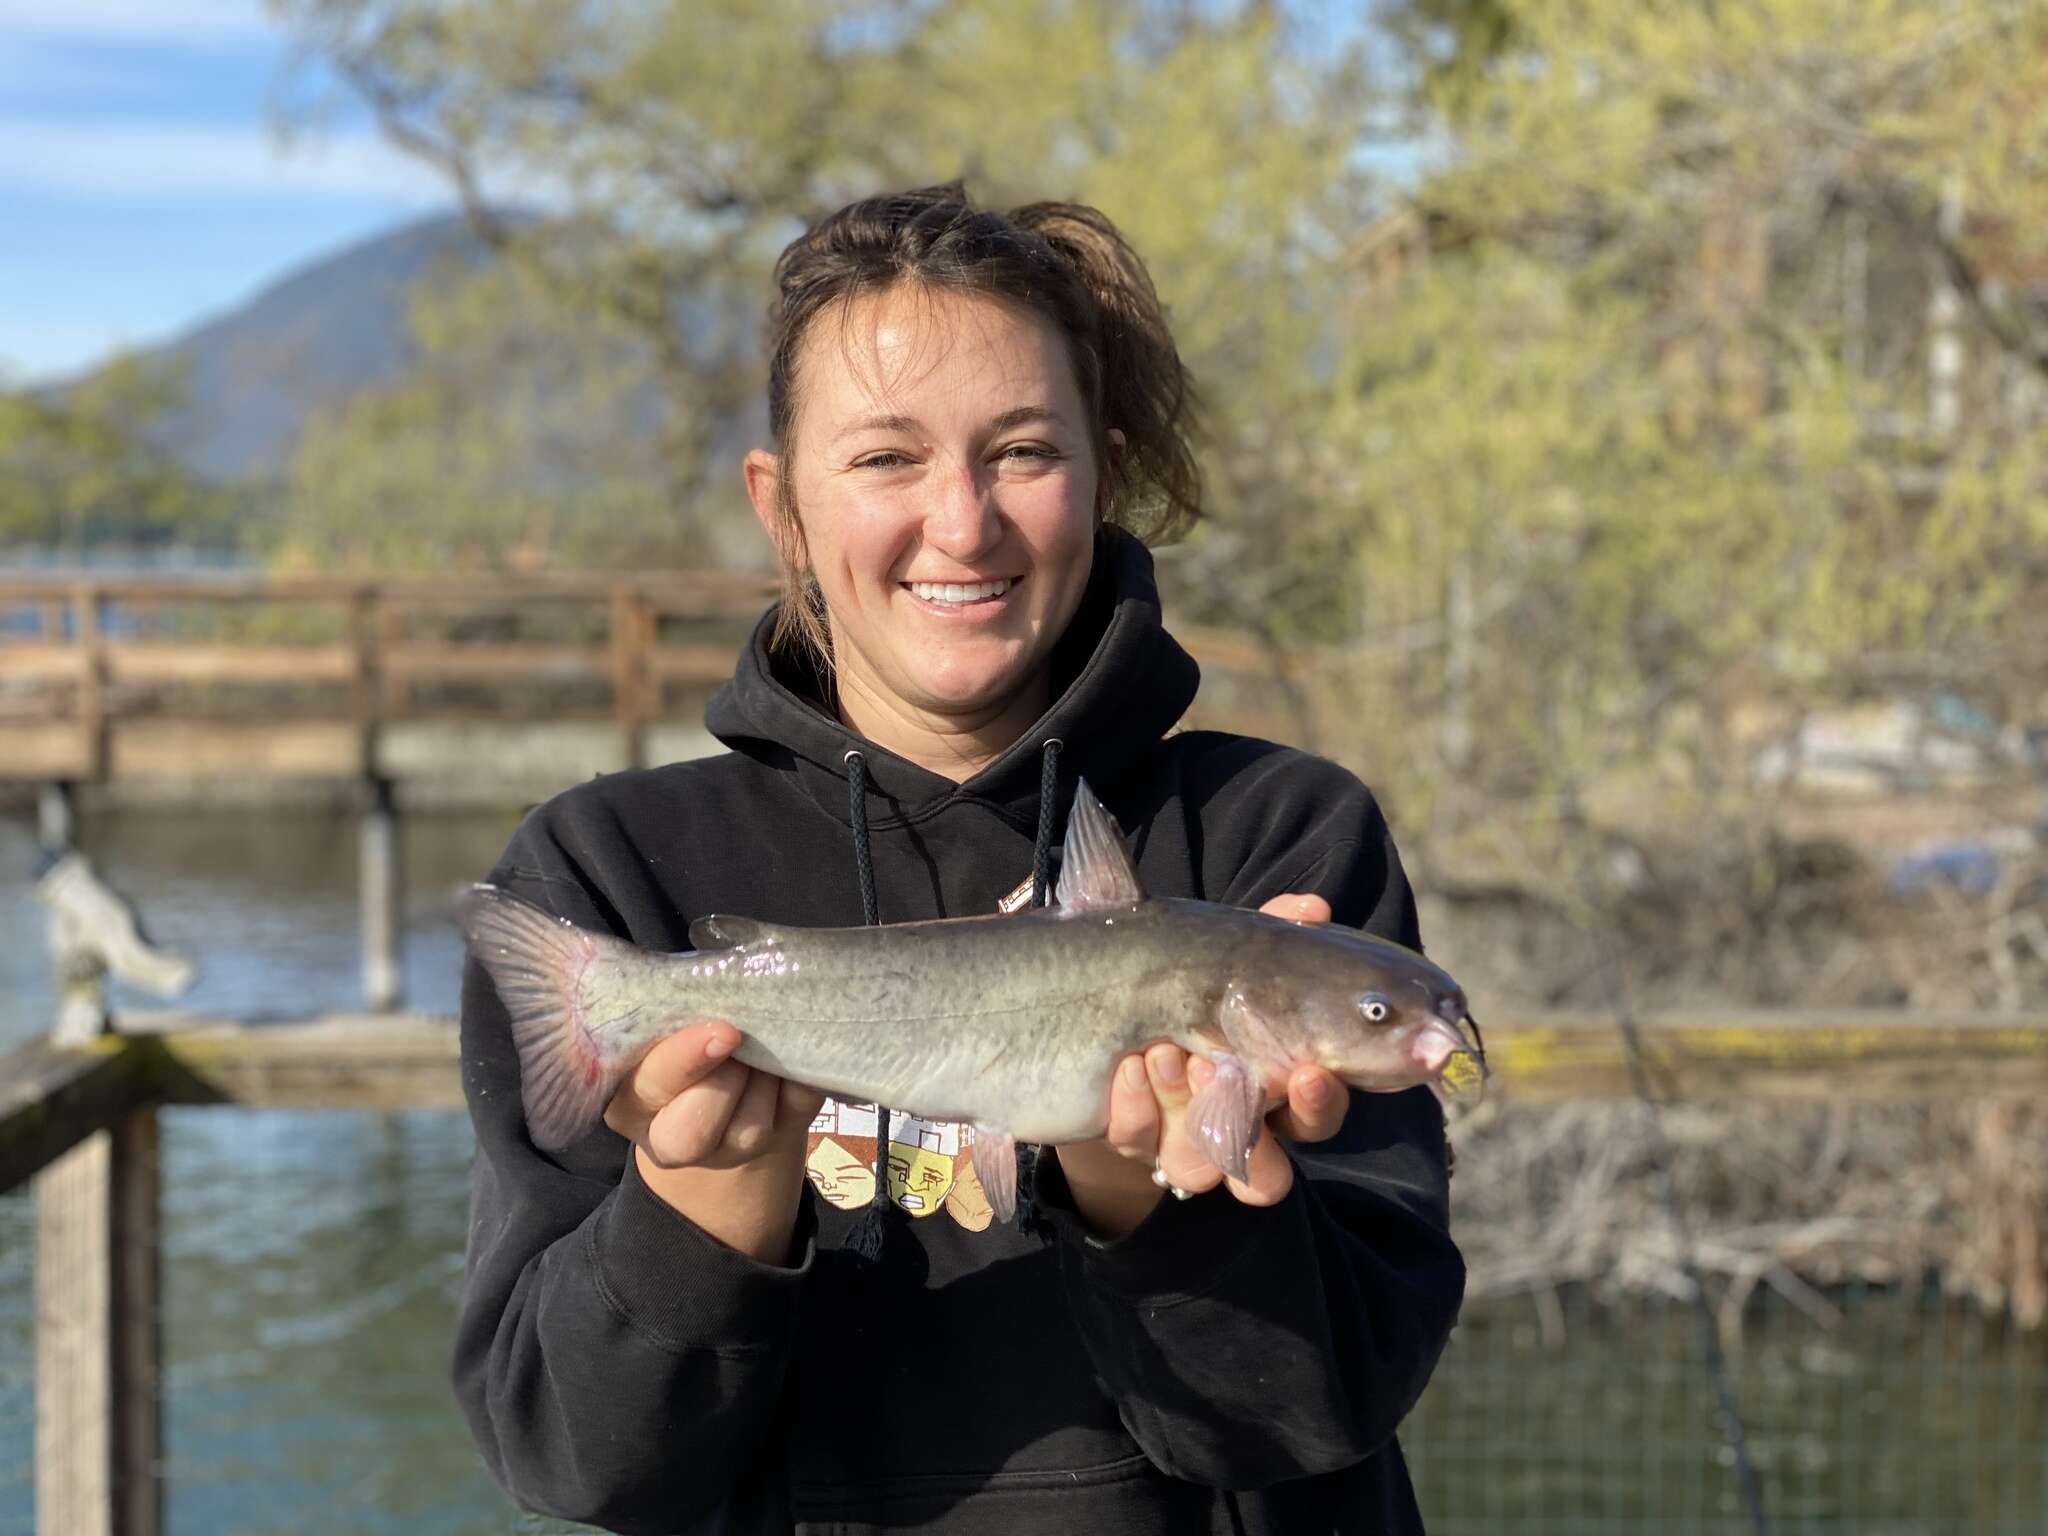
616	1364
1245	1346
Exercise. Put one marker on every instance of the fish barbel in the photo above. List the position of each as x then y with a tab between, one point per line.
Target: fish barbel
1013	1023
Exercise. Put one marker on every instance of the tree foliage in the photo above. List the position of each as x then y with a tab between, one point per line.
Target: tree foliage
79	467
677	146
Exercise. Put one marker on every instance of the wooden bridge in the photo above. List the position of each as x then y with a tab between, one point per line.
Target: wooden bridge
182	680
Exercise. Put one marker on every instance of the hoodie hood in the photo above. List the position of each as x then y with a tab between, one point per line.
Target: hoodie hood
1120	682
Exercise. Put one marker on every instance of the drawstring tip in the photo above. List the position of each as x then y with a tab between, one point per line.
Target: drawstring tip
865	1241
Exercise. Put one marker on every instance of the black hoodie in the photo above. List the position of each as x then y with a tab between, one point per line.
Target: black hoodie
1220	1369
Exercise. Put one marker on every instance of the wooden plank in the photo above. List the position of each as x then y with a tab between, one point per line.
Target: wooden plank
691	663
195	749
1734	1056
391	1061
167	663
524	662
48	749
52	1099
338	1061
40	660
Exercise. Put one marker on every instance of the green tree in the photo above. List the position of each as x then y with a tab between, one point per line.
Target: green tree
679	145
78	466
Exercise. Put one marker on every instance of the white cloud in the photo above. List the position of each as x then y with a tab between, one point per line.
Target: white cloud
172	160
178	23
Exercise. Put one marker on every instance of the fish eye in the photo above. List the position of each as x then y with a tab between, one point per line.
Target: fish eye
1375	1007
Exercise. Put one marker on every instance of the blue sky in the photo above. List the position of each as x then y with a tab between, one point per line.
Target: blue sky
143	185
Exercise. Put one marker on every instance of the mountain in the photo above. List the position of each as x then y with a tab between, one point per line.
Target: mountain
309	340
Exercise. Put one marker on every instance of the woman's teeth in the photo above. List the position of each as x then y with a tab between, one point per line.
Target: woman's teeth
952	592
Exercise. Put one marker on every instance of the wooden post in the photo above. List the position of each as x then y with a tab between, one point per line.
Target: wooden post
382	896
99	1429
99	1425
56	815
92	678
367	688
632	626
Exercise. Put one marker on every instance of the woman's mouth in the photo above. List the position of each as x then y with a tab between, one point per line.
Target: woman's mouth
962	597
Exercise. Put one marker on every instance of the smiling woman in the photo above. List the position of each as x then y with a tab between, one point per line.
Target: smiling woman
722	1310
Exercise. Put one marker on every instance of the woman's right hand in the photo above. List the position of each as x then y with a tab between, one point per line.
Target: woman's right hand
715	1139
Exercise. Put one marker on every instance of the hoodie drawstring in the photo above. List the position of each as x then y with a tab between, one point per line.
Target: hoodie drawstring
870	1232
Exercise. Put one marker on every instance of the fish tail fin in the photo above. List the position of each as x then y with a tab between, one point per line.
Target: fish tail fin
539	963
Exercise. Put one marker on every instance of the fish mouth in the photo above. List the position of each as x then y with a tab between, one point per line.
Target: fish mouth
1465	1073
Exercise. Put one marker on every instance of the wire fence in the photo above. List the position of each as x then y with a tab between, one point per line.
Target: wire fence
1910	1415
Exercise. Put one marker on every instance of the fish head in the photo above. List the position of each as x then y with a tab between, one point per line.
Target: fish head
1382	1017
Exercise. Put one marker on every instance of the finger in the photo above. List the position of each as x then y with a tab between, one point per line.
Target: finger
1269	1176
1133	1111
799	1104
1175	1080
1298	907
689	1128
1317	1102
684	1058
752	1126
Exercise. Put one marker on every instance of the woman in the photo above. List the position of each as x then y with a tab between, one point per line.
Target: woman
742	1308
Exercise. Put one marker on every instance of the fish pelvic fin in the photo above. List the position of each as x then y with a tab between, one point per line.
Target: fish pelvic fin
995	1164
1226	1116
538	962
1096	872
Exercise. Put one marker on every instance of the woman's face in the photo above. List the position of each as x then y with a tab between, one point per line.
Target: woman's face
945	483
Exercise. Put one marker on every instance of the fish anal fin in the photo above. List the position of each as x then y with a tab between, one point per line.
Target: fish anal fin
1096	873
1225	1116
995	1164
718	931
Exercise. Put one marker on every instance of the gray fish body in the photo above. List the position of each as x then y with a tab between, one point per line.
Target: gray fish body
1011	1022
1014	1021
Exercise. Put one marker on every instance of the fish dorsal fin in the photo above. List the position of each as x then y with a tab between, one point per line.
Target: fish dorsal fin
1096	872
721	932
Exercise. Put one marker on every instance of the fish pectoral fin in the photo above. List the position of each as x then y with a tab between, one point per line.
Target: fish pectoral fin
1096	872
718	931
1224	1118
995	1164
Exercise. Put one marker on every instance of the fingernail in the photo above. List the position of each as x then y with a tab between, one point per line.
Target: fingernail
1170	1065
1159	1176
1133	1071
1315	1092
719	1045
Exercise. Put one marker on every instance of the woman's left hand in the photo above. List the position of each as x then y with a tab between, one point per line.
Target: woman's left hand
1148	1101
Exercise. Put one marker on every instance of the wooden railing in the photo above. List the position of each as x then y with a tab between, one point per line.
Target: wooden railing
80	659
81	1122
182	678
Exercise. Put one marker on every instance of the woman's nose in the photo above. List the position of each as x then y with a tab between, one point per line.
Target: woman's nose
962	521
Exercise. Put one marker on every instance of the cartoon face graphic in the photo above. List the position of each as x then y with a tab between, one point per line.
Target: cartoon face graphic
840	1178
919	1178
968	1202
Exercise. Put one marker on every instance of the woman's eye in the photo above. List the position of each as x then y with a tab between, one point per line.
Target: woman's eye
1029	451
880	461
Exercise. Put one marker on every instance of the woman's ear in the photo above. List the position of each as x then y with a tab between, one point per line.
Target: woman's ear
764	489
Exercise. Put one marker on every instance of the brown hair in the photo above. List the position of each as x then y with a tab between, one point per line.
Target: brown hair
1063	261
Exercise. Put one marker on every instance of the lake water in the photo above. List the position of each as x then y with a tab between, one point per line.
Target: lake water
311	1261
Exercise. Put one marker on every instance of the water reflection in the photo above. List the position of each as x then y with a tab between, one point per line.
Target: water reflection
310	1257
